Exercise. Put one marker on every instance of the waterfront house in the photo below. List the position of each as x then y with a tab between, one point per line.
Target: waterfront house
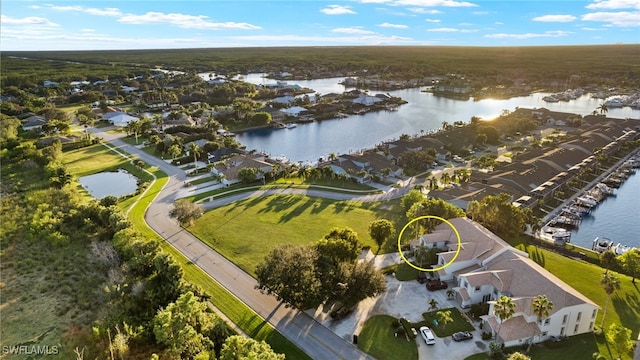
486	267
232	165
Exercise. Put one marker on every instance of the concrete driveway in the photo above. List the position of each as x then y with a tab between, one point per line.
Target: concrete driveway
408	299
447	349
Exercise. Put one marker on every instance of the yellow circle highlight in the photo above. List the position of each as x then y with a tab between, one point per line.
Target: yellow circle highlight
430	217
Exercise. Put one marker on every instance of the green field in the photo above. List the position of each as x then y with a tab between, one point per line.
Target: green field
247	230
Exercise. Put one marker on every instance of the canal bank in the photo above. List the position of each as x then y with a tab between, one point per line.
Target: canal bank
615	217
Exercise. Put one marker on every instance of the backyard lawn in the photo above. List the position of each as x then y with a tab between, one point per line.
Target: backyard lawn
377	339
247	230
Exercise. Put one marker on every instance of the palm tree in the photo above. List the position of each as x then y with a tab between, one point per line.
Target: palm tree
603	108
195	151
421	254
333	157
433	182
445	178
610	283
503	308
607	258
433	304
541	306
444	318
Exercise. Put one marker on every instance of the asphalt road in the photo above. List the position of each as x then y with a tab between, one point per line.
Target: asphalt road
301	329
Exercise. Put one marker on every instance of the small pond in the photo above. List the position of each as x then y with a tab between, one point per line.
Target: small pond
116	183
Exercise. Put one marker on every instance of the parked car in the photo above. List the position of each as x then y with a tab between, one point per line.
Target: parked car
462	335
427	335
436	285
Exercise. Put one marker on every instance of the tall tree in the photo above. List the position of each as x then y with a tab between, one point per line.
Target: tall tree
360	280
541	306
610	283
631	263
238	347
381	230
619	338
410	198
185	211
608	259
182	326
504	308
289	273
196	151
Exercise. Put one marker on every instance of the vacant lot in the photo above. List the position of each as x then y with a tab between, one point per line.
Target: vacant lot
246	231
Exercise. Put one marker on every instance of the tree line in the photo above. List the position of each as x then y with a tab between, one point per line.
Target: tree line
140	304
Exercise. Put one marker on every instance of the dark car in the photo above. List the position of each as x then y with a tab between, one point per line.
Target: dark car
422	277
436	285
462	335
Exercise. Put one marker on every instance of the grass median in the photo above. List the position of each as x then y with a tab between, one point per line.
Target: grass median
99	158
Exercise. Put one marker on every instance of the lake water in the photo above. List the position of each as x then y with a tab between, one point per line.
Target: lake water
424	112
116	183
615	218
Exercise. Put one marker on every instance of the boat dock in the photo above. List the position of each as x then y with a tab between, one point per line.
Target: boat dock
569	214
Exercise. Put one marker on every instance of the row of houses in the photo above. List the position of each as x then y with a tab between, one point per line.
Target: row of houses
538	173
486	267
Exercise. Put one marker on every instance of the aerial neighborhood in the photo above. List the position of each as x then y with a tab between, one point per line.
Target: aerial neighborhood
132	189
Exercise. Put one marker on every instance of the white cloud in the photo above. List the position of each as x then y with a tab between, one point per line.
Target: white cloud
556	33
446	29
395	26
614	4
499	23
425	11
183	21
555	18
481	13
28	21
621	19
337	10
352	30
591	29
88	10
434	3
465	24
432	20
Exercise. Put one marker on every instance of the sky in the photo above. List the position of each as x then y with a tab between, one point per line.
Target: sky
160	24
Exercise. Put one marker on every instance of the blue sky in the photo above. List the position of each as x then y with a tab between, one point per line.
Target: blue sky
146	24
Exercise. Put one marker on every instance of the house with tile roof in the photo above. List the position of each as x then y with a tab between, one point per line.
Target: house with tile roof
486	267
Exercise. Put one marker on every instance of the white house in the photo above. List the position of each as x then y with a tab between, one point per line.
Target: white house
486	267
294	110
367	100
119	118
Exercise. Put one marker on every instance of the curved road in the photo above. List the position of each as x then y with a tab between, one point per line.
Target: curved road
301	329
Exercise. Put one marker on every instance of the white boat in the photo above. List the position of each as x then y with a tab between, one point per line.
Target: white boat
561	236
601	244
291	125
614	103
558	235
586	201
620	249
604	189
550	98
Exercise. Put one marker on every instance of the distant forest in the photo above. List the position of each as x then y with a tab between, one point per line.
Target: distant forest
556	63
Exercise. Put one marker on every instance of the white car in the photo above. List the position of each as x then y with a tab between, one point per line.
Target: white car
427	335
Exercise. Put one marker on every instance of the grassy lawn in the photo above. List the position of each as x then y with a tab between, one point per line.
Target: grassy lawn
403	271
239	187
347	184
232	307
585	278
459	323
91	159
377	339
576	347
280	219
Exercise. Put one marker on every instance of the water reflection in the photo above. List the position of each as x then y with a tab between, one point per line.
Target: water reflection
424	112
